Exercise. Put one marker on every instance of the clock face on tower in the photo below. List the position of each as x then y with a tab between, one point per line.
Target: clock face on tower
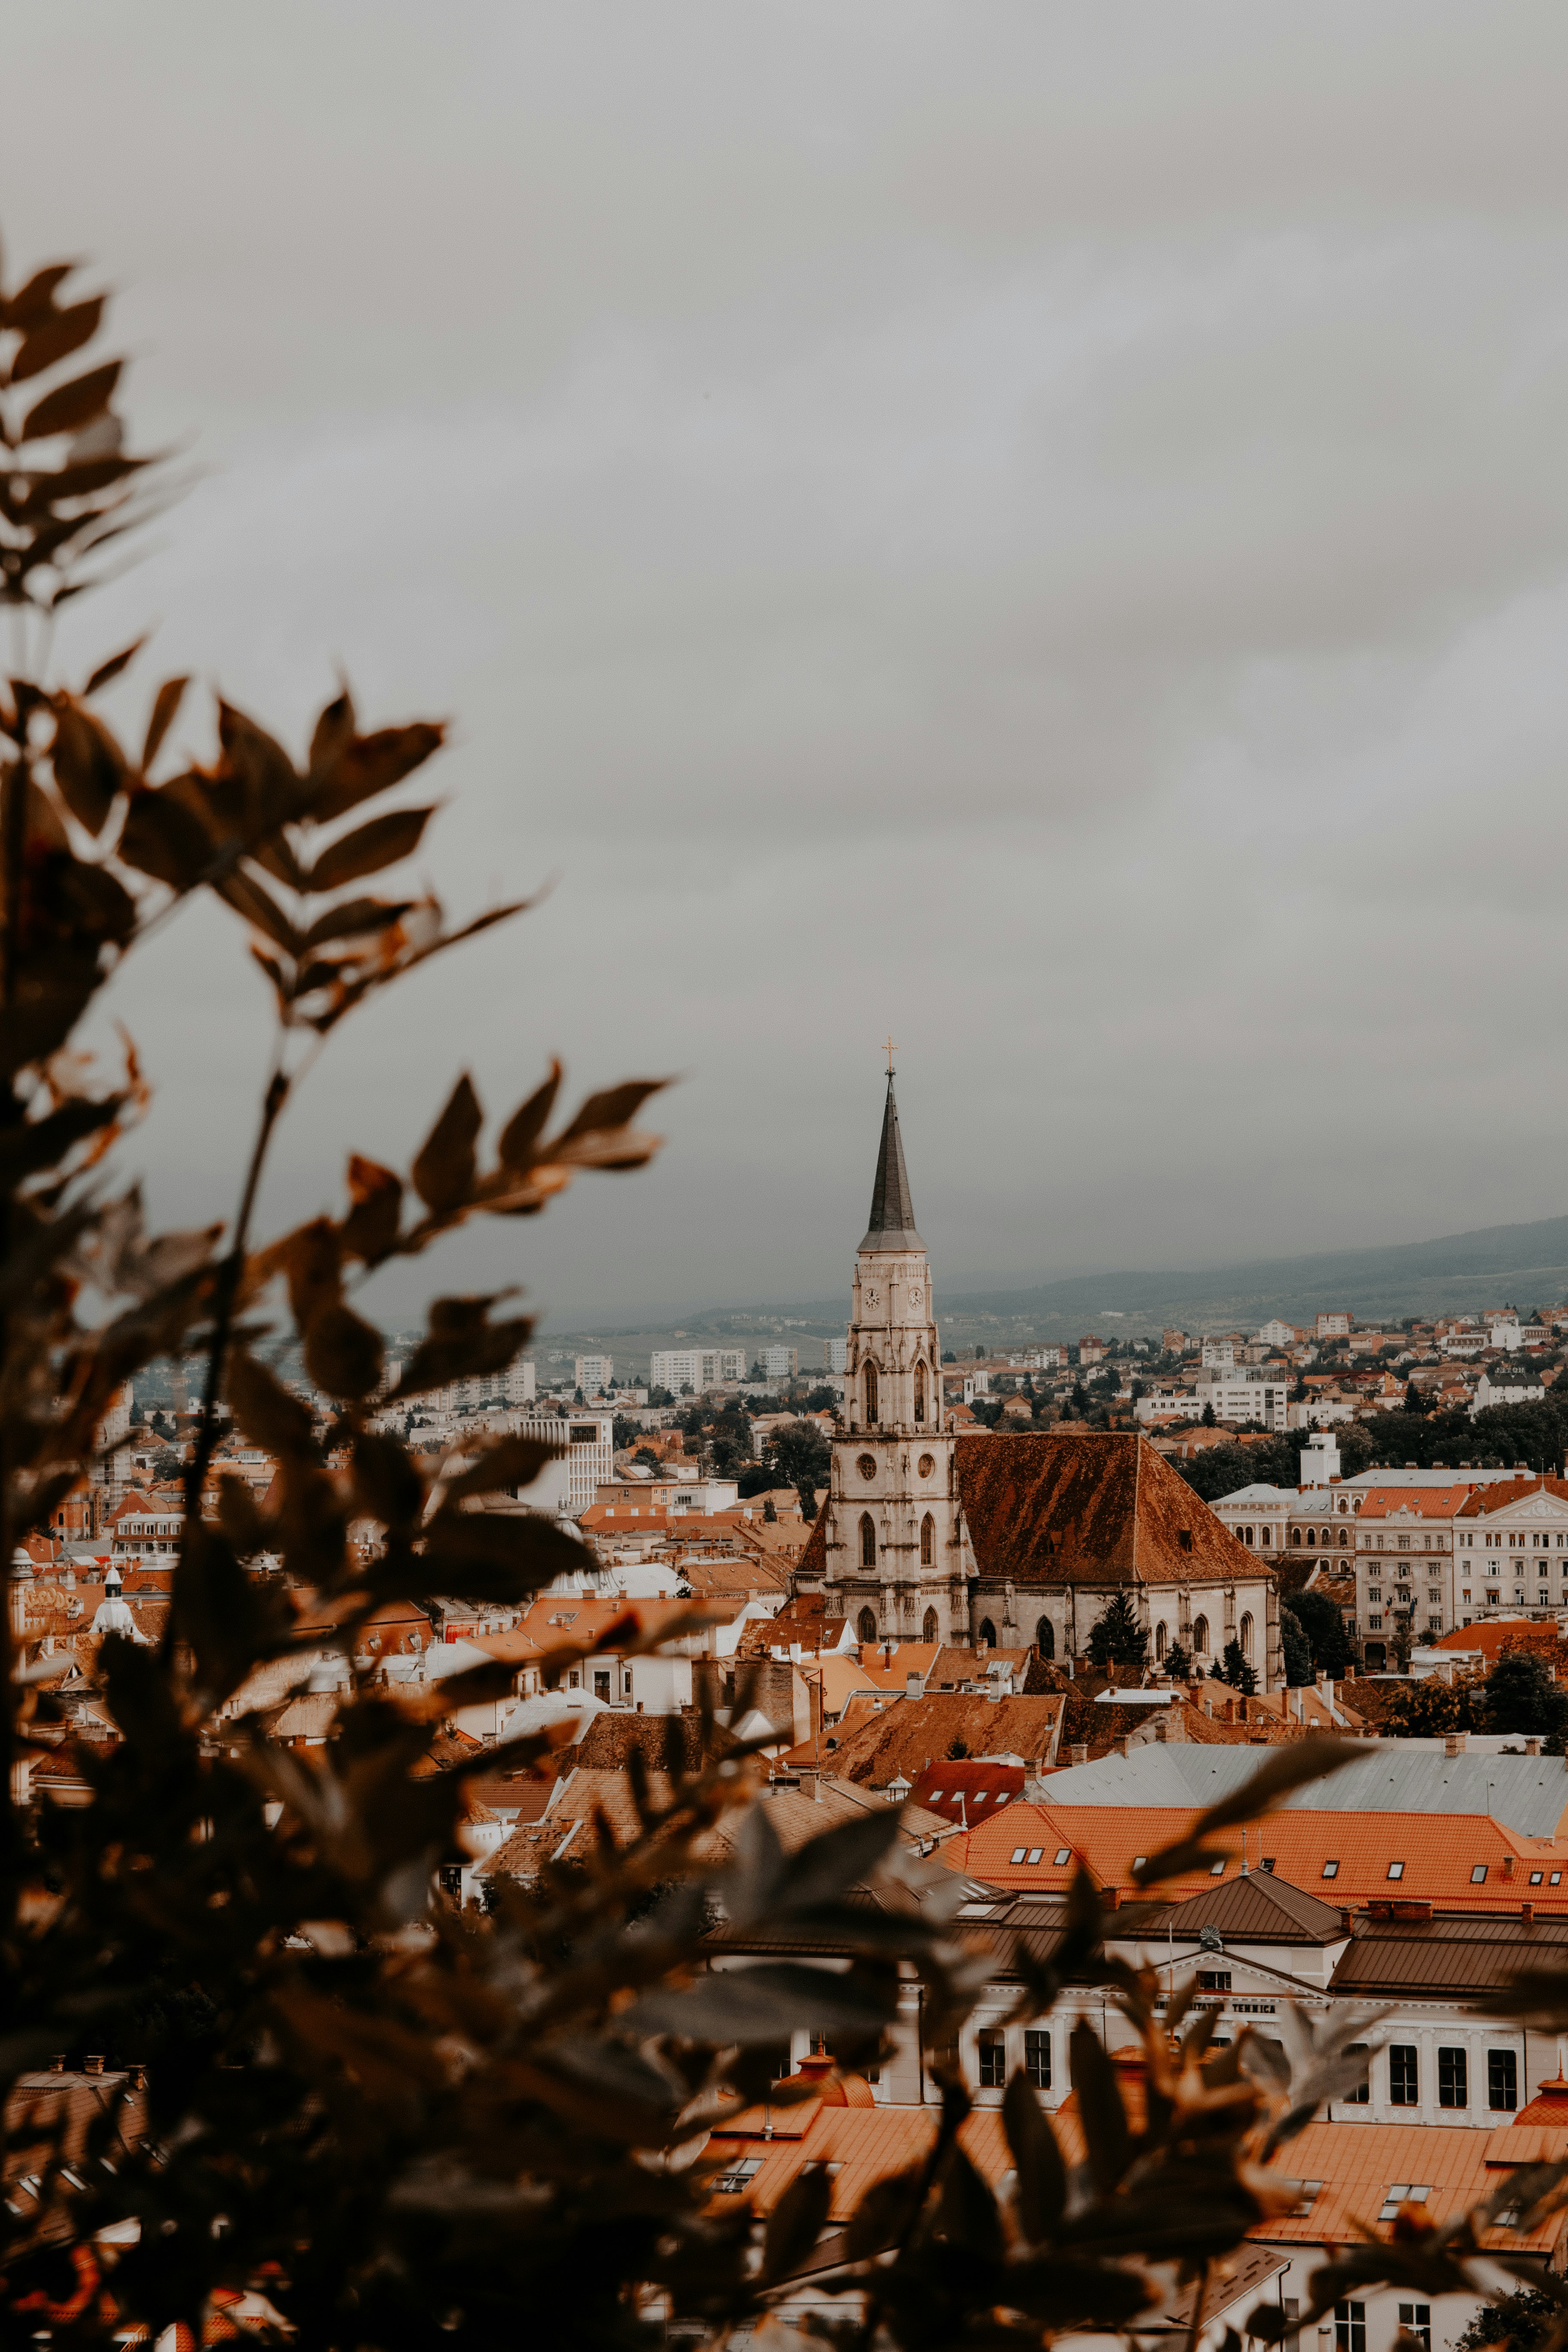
914	1298
872	1295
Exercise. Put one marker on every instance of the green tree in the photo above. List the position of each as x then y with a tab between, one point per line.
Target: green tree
1117	1638
1430	1708
1236	1672
1520	1696
800	1457
1519	2322
1178	1664
1297	1650
1325	1626
1206	1418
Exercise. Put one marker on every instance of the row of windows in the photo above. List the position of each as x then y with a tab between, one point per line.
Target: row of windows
992	2054
871	1381
1453	2079
869	1542
1539	1540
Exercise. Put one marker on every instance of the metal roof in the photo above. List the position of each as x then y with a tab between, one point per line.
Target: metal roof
892	1225
1528	1795
1447	1956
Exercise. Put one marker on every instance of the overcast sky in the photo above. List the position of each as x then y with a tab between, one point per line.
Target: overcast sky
1042	529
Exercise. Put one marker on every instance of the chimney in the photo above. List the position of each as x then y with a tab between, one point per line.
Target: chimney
1347	1921
1230	1710
1527	1910
1077	1751
92	2065
58	2063
1507	1872
1455	1742
1532	1747
912	1686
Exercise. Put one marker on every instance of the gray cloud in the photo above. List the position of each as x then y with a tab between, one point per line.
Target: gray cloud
1043	529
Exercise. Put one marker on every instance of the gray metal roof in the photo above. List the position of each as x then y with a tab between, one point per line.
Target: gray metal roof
1528	1793
892	1225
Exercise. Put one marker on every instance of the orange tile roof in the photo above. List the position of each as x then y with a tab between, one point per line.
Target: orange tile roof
1438	1851
1493	1634
1415	1502
1508	1491
867	2144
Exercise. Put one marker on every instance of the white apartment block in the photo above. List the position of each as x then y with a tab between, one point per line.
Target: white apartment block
780	1363
1276	1334
594	1374
1219	1355
1237	1398
1044	1359
695	1368
1334	1326
836	1352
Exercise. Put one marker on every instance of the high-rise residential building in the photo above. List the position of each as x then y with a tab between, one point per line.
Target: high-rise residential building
695	1368
522	1382
594	1374
780	1363
837	1354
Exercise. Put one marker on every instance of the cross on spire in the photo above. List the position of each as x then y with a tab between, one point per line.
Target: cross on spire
889	1053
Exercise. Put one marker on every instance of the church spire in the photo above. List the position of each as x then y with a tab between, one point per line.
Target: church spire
892	1225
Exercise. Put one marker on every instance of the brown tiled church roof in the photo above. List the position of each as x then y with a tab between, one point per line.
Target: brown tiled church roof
1102	1509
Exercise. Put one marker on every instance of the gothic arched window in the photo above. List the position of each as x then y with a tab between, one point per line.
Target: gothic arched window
1200	1637
920	1392
1159	1641
987	1633
873	1414
1046	1638
927	1630
867	1540
928	1540
868	1624
1246	1637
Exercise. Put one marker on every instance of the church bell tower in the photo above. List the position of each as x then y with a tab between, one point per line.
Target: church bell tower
892	1538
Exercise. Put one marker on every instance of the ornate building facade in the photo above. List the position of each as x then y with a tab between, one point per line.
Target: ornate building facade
928	1535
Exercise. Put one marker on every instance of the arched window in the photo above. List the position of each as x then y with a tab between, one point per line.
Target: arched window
1295	1534
868	1624
873	1413
1246	1637
928	1540
1046	1638
1267	1536
1200	1637
987	1633
1159	1641
920	1392
867	1540
927	1630
1246	1534
1345	1537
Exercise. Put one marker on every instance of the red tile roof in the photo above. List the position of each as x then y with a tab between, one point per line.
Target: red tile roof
1045	1508
1439	1854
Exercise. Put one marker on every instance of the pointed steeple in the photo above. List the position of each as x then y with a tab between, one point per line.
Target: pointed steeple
892	1225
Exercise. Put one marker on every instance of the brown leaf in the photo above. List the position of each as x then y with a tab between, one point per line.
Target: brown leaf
369	847
111	669
510	1462
612	1108
527	1123
1286	1769
387	1481
238	1517
266	1411
343	1354
444	1172
162	837
56	338
163	712
461	1340
263	768
332	733
308	1259
87	767
244	894
71	405
352	917
370	1229
33	303
371	764
1104	2118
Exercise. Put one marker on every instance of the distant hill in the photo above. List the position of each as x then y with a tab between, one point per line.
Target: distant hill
1458	1273
1525	1265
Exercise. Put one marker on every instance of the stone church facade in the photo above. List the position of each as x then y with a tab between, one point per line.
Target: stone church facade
930	1535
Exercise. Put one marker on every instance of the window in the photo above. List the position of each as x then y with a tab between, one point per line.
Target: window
1503	2080
1403	1543
993	2060
739	2177
1375	1622
1396	1870
1478	1875
1555	1878
920	1392
1453	2079
1330	1870
601	1684
1214	1980
1037	2059
927	1629
1064	1854
1404	2084
1310	2191
1361	2094
1416	2319
1350	2327
1159	1642
987	1633
1201	1635
872	1414
1017	1852
1246	1636
868	1624
1034	1853
1046	1638
1404	2193
867	1540
1216	1869
928	1542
